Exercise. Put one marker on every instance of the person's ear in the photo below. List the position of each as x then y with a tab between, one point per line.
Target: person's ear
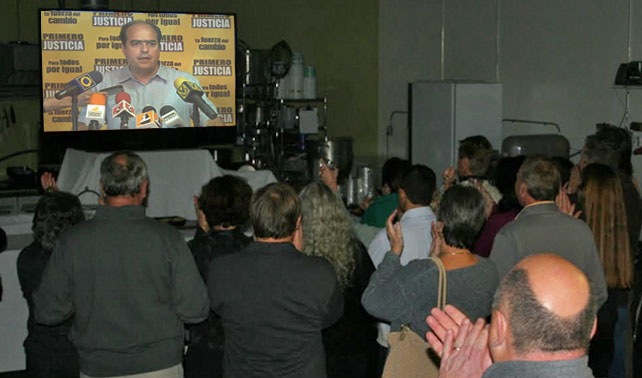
403	197
143	189
594	328
498	335
523	189
102	200
297	239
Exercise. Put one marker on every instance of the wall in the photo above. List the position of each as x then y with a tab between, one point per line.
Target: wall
339	38
556	60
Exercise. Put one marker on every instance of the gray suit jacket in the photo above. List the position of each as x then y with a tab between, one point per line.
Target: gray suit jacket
542	228
575	368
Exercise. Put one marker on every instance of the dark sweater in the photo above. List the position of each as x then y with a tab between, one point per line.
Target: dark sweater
204	357
45	341
406	294
130	282
350	344
274	301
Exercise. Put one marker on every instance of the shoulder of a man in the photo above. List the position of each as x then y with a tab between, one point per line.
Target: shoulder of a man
378	247
113	77
173	74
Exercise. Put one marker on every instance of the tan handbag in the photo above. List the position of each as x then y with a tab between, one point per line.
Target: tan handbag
410	355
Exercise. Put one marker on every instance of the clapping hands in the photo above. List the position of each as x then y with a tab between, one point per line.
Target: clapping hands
393	229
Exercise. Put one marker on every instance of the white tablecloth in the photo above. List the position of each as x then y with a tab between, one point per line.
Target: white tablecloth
174	178
13	314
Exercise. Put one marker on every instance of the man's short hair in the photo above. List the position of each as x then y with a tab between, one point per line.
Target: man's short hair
541	178
536	329
564	167
393	171
225	201
274	211
419	184
476	142
479	152
462	211
597	150
123	30
120	179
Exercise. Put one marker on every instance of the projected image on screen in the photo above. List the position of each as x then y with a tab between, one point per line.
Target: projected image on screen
132	70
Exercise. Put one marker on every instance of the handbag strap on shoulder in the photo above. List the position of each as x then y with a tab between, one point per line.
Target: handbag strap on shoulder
442	288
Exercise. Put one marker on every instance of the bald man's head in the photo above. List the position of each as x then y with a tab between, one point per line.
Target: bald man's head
549	305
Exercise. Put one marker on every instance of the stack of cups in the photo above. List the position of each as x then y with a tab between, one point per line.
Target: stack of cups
295	77
309	83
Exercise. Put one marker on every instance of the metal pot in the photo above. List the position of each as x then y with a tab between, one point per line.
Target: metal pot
335	152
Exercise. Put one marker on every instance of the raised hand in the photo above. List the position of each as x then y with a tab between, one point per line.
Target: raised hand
48	182
448	177
441	321
466	354
437	238
394	234
328	175
564	203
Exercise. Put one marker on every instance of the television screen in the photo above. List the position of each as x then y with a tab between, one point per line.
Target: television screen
137	70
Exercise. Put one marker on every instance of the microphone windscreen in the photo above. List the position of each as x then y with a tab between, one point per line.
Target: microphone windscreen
97	99
96	76
166	109
123	96
179	81
149	108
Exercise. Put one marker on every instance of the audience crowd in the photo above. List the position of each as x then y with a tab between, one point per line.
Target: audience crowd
538	257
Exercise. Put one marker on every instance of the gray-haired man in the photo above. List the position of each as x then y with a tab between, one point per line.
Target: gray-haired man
129	281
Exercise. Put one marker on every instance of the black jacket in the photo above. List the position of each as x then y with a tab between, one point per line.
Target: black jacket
274	301
31	264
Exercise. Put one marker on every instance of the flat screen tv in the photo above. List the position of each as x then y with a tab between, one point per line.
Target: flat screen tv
136	80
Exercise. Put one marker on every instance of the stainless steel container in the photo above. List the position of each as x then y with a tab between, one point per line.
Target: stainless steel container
335	152
365	182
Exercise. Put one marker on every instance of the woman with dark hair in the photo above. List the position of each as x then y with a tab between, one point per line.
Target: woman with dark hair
507	208
48	350
406	294
350	346
604	211
223	210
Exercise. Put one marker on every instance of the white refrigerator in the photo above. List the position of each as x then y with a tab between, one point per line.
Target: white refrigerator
443	113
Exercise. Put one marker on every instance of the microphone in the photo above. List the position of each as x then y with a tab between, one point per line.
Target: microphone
96	111
170	117
192	93
148	119
123	109
80	84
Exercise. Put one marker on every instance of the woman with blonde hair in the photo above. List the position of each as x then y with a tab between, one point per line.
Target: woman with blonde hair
327	232
604	211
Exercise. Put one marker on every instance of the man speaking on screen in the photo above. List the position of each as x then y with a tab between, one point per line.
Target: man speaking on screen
147	81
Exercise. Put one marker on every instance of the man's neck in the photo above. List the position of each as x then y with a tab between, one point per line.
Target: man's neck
144	76
532	202
120	201
223	228
550	356
288	239
410	206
